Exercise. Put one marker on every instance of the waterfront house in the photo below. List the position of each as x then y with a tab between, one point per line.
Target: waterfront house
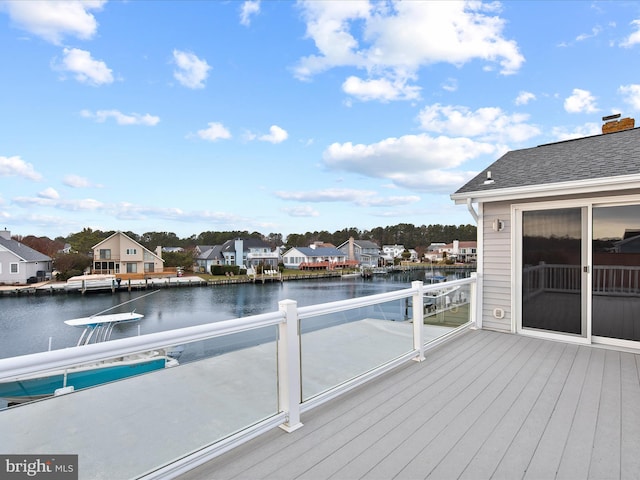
552	224
315	258
365	252
121	254
458	251
20	264
249	252
208	256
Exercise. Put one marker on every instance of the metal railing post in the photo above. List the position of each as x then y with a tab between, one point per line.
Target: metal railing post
418	319
475	317
289	369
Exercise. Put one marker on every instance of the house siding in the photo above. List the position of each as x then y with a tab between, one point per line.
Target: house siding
496	274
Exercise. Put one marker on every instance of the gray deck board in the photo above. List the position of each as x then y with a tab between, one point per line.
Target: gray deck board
485	405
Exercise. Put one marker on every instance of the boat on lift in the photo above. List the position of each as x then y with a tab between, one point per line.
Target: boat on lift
96	329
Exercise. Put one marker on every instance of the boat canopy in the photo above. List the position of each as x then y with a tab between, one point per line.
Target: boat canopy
104	319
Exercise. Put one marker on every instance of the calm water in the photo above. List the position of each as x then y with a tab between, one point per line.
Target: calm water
29	323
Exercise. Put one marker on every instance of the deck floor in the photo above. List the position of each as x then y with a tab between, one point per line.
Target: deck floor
486	405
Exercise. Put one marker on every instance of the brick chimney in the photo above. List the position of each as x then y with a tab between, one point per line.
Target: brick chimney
614	125
6	234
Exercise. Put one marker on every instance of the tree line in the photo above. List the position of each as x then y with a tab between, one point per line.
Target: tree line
406	234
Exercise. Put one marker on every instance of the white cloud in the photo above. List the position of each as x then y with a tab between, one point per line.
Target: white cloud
363	198
84	68
248	9
406	159
85	204
633	38
49	193
488	123
54	20
451	85
595	31
276	135
214	132
524	98
580	101
121	118
301	211
382	89
16	167
76	181
192	71
632	95
392	41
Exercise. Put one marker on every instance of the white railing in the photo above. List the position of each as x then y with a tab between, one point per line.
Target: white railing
292	324
607	279
616	280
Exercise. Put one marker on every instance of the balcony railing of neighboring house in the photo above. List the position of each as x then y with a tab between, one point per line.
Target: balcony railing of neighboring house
606	279
301	358
269	255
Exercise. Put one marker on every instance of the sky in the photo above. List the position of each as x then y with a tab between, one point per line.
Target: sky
289	117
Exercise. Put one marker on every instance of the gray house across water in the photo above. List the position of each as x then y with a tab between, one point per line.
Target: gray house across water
552	224
20	264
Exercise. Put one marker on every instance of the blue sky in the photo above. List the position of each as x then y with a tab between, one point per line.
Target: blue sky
288	117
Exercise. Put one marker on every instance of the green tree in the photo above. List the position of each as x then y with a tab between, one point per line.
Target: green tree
84	241
184	259
70	264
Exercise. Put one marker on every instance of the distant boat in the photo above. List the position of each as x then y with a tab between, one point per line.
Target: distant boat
435	279
95	282
96	329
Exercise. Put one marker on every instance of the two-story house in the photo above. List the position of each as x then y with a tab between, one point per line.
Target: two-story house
249	252
119	254
364	252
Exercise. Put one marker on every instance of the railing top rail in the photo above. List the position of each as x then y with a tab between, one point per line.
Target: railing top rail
340	305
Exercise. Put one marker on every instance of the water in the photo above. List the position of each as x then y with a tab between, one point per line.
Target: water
29	323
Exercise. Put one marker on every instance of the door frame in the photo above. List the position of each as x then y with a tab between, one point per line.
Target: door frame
585	294
588	204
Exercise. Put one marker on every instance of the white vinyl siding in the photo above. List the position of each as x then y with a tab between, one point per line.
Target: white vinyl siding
496	282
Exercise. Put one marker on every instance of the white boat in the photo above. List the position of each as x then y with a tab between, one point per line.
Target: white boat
94	282
96	329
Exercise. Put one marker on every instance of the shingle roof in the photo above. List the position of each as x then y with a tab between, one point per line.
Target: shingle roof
320	252
599	156
26	253
247	243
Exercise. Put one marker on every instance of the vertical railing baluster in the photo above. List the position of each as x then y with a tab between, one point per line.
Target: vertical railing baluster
418	319
289	369
474	317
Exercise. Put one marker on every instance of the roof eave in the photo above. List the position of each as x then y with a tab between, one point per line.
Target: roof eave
581	187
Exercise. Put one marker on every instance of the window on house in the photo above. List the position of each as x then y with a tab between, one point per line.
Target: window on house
132	268
148	268
131	251
13	268
105	253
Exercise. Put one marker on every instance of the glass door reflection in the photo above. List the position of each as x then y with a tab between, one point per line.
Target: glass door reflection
552	280
616	272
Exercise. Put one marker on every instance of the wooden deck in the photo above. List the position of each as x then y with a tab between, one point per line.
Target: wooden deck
485	405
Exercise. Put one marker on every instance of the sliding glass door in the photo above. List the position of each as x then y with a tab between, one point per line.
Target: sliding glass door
553	283
616	272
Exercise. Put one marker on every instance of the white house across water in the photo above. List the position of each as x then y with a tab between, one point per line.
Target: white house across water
559	238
